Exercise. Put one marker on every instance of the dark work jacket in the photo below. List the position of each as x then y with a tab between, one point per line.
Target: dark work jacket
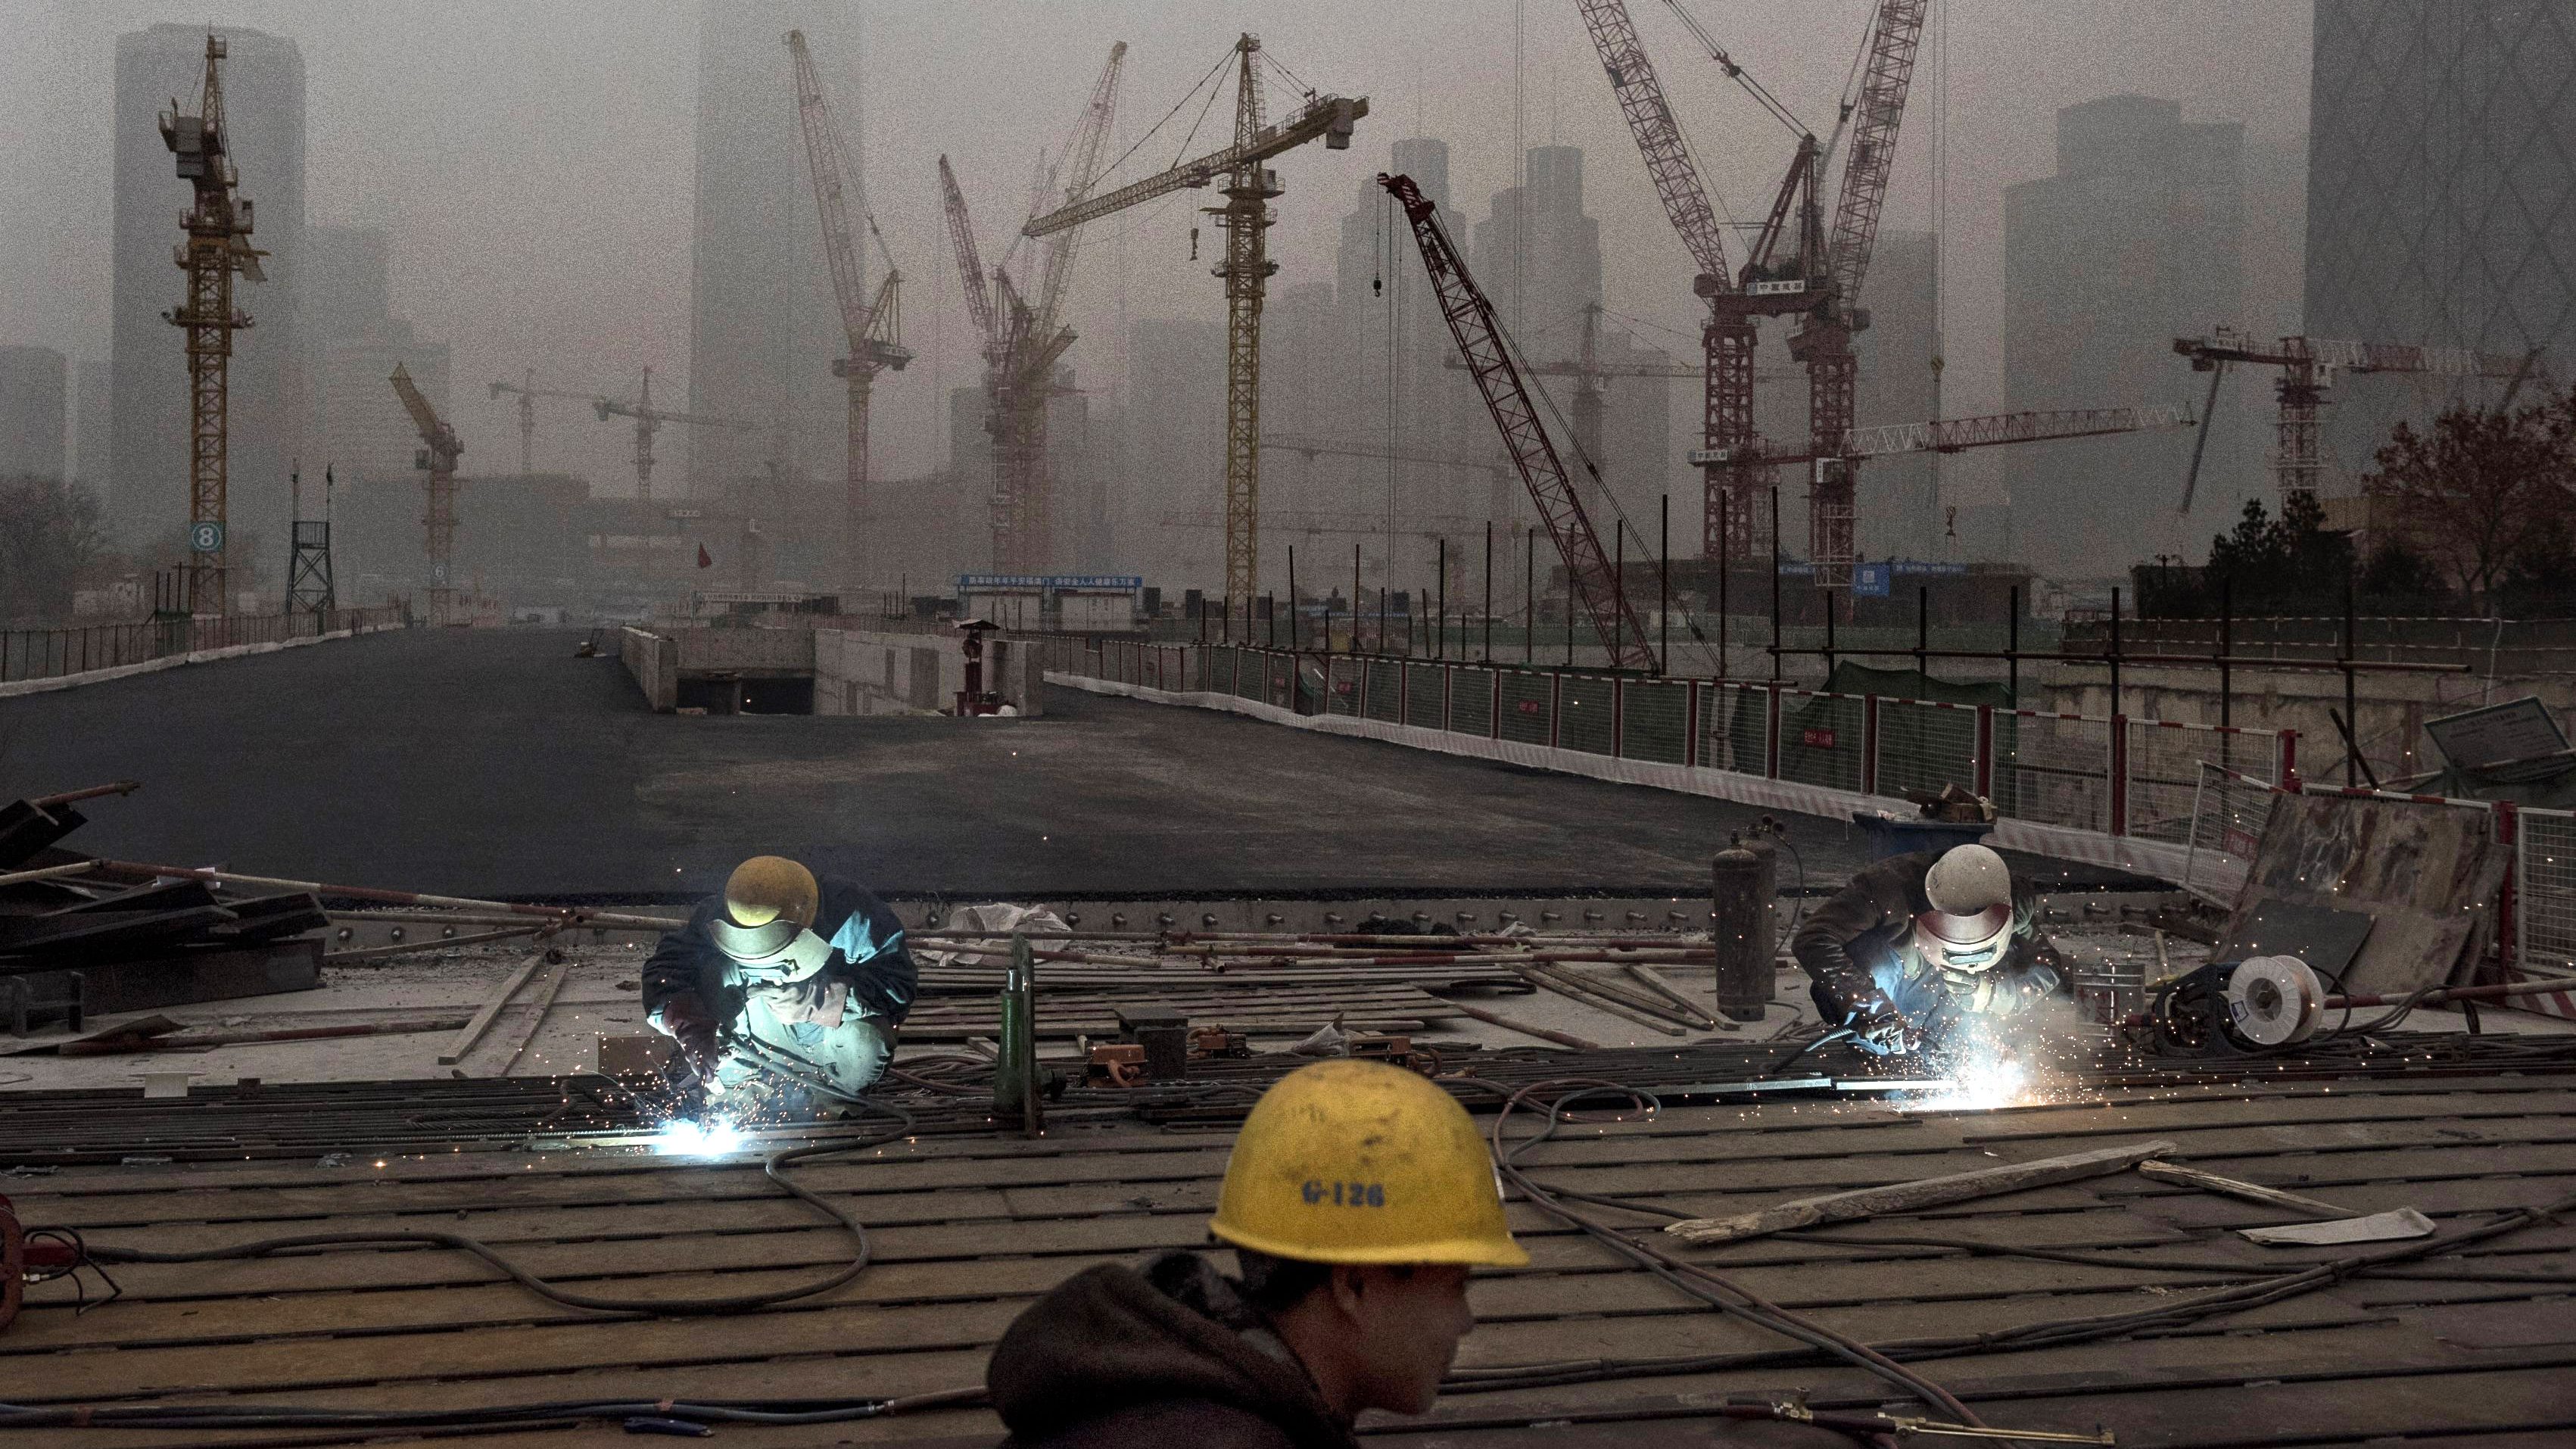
1166	1358
868	957
1861	940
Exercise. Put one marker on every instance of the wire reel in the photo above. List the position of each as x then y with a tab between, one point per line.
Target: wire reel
2274	1001
2259	1004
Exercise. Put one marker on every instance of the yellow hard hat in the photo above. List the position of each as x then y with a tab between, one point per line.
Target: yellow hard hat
1361	1162
768	900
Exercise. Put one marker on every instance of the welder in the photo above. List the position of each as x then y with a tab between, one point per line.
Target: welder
784	986
1918	945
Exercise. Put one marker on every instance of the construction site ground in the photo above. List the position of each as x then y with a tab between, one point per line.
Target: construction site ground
495	764
967	1226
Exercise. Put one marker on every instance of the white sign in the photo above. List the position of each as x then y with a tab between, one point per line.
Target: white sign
2518	729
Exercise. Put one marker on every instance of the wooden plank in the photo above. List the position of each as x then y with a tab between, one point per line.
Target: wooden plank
541	1002
1917	1195
483	1019
2247	1191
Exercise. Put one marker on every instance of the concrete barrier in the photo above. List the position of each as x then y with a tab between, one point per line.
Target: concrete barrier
17	687
862	672
653	660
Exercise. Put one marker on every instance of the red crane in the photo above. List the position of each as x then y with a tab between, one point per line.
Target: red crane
1797	267
1022	342
1823	343
1591	583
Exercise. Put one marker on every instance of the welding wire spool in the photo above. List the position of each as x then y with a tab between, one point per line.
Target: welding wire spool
2274	1000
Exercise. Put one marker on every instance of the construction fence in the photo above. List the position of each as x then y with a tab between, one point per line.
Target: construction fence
2117	778
59	653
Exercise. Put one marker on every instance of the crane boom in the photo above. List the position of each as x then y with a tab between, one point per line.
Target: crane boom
1081	162
1329	117
1896	34
1591	582
970	262
830	172
1953	435
1659	137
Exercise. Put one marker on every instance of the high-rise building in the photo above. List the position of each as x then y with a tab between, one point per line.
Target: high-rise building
2441	163
2138	239
94	425
1174	483
31	412
263	82
764	326
1538	256
1899	500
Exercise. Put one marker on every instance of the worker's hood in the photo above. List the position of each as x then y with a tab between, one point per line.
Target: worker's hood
1112	1338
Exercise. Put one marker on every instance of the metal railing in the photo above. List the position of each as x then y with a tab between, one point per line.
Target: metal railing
58	653
2115	776
2544	888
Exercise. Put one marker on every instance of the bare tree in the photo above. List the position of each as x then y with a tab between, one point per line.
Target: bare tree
2482	485
49	535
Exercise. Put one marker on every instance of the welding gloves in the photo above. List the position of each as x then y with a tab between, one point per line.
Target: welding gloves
690	1024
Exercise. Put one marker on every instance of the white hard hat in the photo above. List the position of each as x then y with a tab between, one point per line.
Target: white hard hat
1968	880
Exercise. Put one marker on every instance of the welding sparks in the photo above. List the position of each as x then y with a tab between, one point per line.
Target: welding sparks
1980	1082
682	1137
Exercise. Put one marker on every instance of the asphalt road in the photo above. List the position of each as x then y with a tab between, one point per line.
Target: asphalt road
497	764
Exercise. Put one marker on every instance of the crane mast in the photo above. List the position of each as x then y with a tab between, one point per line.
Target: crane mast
1824	342
1249	187
1728	520
438	455
1591	583
870	324
218	228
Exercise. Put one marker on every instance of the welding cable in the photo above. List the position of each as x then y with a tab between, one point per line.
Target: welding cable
1694	1279
1839	1033
541	1413
772	1168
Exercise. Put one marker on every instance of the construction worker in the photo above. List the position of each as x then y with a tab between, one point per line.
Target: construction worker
792	982
1357	1200
1918	944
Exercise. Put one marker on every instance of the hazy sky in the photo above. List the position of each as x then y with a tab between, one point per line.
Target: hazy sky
534	156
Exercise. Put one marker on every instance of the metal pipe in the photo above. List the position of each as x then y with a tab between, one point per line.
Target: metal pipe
120	787
567	914
51	872
1664	592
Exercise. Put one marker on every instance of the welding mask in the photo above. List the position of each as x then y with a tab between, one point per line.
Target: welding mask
776	954
1964	943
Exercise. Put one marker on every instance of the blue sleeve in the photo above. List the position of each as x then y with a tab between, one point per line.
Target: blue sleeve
881	975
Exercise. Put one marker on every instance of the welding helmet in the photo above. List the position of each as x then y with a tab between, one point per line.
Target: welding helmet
767	924
1971	916
1362	1162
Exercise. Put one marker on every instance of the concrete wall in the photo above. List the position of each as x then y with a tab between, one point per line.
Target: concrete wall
862	672
654	662
724	651
2391	708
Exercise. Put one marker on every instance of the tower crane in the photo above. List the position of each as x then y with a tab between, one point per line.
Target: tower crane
1245	218
1817	277
648	421
1023	342
529	392
1957	435
1728	517
2308	365
873	325
1590	580
437	460
218	227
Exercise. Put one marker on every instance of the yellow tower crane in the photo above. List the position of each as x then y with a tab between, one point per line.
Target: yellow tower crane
218	245
1249	186
437	459
873	325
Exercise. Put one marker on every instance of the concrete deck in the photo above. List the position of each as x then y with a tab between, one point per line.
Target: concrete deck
497	764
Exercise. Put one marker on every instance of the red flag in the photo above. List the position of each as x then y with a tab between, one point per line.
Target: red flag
704	561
